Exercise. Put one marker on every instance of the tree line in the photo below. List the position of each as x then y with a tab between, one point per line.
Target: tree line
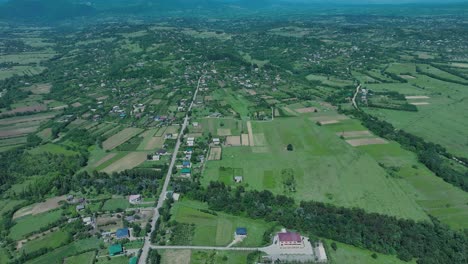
429	242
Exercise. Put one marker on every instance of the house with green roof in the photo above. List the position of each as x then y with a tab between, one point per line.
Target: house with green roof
115	250
185	172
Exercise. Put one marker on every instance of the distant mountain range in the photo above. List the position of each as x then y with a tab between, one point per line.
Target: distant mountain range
56	10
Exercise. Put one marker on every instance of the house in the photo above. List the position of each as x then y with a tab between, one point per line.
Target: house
134	199
176	196
185	172
241	231
290	239
80	207
216	141
155	157
115	250
161	152
88	221
186	164
130	218
188	151
238	179
122	233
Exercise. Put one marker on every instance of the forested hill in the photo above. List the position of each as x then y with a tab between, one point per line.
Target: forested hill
40	10
58	10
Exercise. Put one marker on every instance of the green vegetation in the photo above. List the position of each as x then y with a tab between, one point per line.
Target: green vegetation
84	258
217	229
56	256
115	204
52	240
34	223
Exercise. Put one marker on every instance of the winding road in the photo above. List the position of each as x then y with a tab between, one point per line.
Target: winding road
162	196
355	95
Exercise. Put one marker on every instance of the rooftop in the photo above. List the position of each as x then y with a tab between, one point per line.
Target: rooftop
115	249
122	233
241	231
289	237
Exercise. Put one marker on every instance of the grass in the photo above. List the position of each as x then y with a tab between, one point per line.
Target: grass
115	203
52	148
350	254
4	255
84	258
438	198
331	81
325	168
56	256
114	260
29	224
201	257
211	125
51	240
217	230
7	204
120	137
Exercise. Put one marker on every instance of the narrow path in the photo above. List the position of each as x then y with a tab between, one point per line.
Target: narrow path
355	95
162	196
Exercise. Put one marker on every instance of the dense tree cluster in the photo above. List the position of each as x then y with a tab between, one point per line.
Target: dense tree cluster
428	242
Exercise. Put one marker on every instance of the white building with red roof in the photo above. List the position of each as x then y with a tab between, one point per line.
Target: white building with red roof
290	239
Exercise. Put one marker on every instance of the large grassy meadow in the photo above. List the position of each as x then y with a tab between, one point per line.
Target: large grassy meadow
217	230
324	168
29	224
443	120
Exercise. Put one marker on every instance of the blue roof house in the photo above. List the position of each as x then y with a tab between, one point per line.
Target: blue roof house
241	231
122	233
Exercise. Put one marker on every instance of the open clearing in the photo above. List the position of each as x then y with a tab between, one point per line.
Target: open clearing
350	134
84	258
324	168
120	138
106	158
217	230
416	97
130	161
49	204
419	103
16	132
25	119
176	256
245	139
29	224
57	255
224	132
249	129
215	153
306	110
233	141
366	141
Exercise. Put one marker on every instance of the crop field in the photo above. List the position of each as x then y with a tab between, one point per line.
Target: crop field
26	119
129	161
58	255
175	256
211	230
6	205
84	258
114	260
28	224
215	153
331	172
115	203
329	81
38	208
150	141
217	125
52	240
120	138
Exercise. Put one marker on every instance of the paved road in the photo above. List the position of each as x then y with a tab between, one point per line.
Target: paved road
162	196
206	248
355	95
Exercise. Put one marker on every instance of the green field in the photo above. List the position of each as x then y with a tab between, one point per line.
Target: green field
437	197
443	120
324	168
216	125
6	205
202	257
211	230
114	260
56	256
29	224
349	254
52	148
84	258
52	240
115	203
